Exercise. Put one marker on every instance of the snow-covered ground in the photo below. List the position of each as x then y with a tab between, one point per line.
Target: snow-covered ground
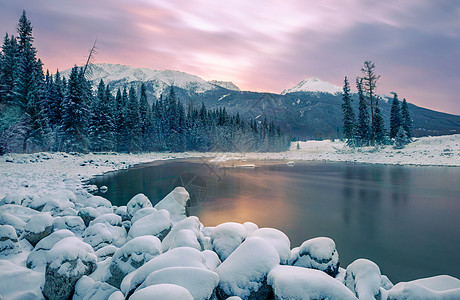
40	172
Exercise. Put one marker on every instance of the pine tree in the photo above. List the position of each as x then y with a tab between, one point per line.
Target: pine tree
8	65
395	116
145	118
133	122
363	130
401	139
406	119
101	124
348	113
369	85
379	126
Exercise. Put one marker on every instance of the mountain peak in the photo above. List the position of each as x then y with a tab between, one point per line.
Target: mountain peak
225	84
313	84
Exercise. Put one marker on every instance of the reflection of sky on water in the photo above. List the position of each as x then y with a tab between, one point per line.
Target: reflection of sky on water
401	217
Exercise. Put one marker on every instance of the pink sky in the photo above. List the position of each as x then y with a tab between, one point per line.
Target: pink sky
260	45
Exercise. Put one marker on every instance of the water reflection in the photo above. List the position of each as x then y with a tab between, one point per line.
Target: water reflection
398	216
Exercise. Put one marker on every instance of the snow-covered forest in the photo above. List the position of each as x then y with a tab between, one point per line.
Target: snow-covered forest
41	112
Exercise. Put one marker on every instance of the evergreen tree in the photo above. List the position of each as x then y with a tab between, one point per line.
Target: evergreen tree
145	118
368	86
406	119
8	65
348	113
401	139
133	122
379	126
363	130
395	116
101	124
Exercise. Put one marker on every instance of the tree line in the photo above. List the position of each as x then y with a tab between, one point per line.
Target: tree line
368	128
41	112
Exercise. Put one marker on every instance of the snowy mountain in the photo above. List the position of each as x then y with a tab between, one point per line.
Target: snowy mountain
156	80
313	84
225	84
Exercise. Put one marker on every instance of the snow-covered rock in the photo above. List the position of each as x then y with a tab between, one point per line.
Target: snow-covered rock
21	212
192	237
136	203
67	262
441	287
176	202
9	219
131	256
118	295
298	283
226	237
157	224
122	211
18	282
363	278
212	259
102	205
177	257
105	252
8	241
38	227
98	236
277	239
244	272
317	253
142	213
72	223
88	214
37	257
16	198
110	218
87	289
250	227
162	292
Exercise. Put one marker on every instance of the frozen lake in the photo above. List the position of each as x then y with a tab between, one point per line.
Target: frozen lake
404	218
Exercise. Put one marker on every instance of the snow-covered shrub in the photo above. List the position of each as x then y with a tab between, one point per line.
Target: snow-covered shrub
244	272
67	262
38	227
37	257
176	202
8	241
226	237
74	224
301	283
277	239
131	256
157	224
162	292
363	278
87	289
201	283
193	237
318	253
136	203
437	287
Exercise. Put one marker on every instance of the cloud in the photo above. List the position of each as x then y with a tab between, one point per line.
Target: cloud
265	45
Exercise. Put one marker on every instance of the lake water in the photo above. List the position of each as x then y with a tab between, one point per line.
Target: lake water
404	218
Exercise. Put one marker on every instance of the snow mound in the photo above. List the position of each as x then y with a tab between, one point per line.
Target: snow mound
16	198
318	253
192	237
136	203
212	259
363	278
162	292
110	218
37	257
131	256
102	205
313	84
244	272
72	223
88	214
226	237
157	224
105	252
38	227
177	257
300	283
437	287
21	212
87	289
176	203
17	223
201	283
8	241
122	211
18	282
277	239
250	227
142	213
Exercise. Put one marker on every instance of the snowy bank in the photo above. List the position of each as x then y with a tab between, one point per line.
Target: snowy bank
103	259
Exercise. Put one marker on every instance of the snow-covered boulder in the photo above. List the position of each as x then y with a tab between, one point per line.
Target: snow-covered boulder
162	292
71	212
192	236
131	256
277	239
176	202
136	203
98	236
38	227
67	262
244	272
18	282
17	223
122	211
441	287
88	214
118	295
16	198
102	205
37	257
21	212
105	252
177	257
299	283
318	253
87	289
110	218
212	259
226	237
54	202
201	283
72	223
363	278
157	224
250	227
142	213
8	241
